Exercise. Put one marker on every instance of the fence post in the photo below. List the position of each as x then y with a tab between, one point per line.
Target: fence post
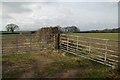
57	37
105	52
67	42
54	40
77	44
2	43
89	45
30	41
16	44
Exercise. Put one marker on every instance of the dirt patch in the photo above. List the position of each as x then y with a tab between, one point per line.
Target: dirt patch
28	73
71	73
50	64
37	69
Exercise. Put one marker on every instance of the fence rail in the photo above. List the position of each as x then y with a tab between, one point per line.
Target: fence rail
104	51
26	43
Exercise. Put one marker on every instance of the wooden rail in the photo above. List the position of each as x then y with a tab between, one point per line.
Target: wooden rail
95	49
26	43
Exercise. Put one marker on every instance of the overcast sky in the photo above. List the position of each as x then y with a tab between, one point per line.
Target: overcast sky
85	15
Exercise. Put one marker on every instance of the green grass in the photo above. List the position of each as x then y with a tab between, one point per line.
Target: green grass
78	63
59	66
16	65
112	36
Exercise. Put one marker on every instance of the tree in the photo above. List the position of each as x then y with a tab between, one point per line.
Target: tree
60	30
71	29
11	27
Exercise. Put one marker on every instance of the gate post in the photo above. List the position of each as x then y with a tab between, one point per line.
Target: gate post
57	41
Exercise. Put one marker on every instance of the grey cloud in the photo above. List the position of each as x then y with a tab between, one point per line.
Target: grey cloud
6	16
15	7
84	15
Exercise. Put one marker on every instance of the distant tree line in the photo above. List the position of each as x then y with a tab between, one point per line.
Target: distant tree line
59	29
69	29
114	30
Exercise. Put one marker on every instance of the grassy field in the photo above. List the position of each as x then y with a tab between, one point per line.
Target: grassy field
112	36
51	64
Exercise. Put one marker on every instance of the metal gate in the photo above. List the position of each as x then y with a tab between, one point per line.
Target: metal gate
104	51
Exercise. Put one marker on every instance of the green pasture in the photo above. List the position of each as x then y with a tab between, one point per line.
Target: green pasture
51	63
111	36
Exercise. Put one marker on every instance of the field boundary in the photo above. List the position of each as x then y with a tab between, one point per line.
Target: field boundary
102	52
26	43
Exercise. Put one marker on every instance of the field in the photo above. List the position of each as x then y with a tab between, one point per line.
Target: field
111	36
52	64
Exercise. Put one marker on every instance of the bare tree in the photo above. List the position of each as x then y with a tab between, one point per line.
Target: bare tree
11	27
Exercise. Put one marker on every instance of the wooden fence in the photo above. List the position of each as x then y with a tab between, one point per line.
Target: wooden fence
104	51
26	43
